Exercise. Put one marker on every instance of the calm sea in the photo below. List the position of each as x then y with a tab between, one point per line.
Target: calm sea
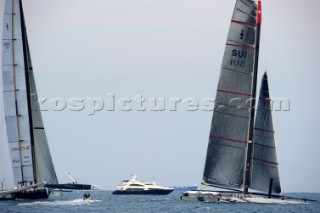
105	202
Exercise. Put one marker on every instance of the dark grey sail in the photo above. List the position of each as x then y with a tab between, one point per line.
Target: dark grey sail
265	162
229	135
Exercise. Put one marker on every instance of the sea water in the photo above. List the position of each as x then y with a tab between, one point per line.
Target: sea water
104	201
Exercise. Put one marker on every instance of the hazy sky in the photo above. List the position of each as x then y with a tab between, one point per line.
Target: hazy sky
168	49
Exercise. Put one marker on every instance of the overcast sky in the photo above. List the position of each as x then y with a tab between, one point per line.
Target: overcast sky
166	49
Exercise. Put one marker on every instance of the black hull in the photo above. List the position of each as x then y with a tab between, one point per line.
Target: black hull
69	186
142	192
32	194
6	198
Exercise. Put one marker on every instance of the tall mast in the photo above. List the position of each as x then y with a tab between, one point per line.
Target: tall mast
248	166
15	86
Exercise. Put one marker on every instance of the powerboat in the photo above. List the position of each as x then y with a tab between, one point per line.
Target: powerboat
136	187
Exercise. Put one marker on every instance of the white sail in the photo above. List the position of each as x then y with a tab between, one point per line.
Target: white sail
46	171
25	143
15	94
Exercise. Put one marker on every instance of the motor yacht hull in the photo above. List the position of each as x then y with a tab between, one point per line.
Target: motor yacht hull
143	192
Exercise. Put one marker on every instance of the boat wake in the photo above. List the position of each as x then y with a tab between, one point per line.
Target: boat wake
77	202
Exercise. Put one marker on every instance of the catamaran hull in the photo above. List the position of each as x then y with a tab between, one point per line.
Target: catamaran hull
200	199
32	194
200	196
71	186
234	198
142	192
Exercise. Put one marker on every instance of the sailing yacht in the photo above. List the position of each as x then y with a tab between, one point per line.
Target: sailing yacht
241	153
32	166
29	151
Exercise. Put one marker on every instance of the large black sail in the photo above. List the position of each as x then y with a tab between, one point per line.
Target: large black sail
228	141
265	163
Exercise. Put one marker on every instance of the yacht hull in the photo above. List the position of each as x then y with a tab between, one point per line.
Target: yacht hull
32	194
70	186
142	192
208	197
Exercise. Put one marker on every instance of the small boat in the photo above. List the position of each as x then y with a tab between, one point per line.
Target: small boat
135	187
87	196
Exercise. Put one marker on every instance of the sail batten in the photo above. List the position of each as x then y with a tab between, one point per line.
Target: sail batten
228	140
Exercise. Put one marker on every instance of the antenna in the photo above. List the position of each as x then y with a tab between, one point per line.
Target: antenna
266	65
74	181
